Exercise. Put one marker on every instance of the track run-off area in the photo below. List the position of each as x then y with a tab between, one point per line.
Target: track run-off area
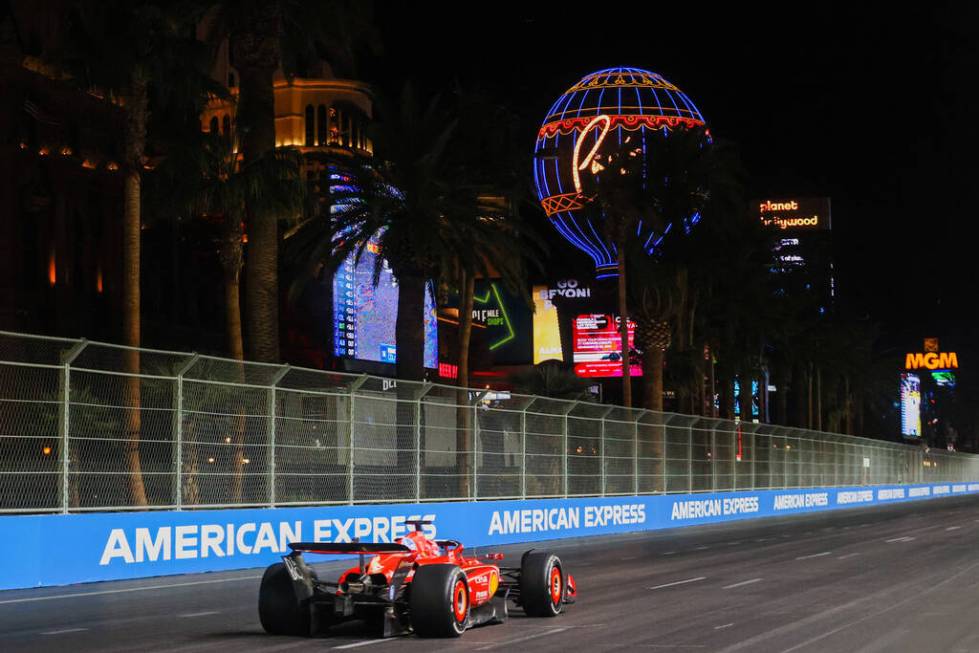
896	578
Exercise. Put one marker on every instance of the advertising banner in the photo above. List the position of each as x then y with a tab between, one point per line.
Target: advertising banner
42	550
598	346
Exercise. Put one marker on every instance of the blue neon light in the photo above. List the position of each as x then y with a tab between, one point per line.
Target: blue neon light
569	114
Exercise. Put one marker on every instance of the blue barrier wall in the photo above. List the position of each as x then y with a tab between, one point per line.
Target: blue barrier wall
40	550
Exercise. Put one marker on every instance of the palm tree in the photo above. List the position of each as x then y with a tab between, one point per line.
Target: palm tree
666	183
264	36
406	202
139	54
220	187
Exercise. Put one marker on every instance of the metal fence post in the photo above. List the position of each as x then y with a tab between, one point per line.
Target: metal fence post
690	457
564	443
523	447
354	387
635	452
271	412
713	458
425	389
474	485
601	450
178	432
68	358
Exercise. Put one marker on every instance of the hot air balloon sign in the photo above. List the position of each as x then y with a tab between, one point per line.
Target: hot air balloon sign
604	109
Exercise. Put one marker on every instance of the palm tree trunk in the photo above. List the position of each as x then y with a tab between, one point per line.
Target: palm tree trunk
231	262
410	326
257	54
464	410
135	142
624	330
712	409
409	332
231	255
652	363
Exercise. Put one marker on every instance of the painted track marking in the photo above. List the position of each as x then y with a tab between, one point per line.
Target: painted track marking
64	631
191	615
679	582
742	583
34	599
554	631
848	555
906	538
815	555
724	626
953	528
366	642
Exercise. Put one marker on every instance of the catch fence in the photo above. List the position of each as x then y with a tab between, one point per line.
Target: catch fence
88	426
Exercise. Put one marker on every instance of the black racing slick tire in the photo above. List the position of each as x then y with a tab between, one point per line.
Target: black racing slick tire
439	601
542	584
278	609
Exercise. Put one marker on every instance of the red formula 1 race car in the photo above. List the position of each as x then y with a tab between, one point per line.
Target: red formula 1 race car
415	585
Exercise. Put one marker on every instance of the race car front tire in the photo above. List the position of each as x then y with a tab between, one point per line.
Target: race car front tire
278	609
542	584
439	601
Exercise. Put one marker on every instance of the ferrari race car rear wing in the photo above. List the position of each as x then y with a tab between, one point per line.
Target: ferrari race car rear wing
348	548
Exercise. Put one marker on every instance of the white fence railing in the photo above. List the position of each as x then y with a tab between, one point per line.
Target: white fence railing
80	430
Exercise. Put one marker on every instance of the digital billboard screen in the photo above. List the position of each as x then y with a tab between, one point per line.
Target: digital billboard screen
505	321
910	405
598	346
365	314
546	329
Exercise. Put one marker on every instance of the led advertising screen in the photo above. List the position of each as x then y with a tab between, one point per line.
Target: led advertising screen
910	405
598	346
547	332
506	323
364	315
944	378
755	408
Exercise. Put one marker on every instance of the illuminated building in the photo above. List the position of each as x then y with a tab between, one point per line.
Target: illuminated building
61	191
802	256
602	108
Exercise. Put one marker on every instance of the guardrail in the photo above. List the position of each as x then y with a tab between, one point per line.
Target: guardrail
80	430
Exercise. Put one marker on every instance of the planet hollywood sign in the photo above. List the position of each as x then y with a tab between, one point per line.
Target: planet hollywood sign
800	213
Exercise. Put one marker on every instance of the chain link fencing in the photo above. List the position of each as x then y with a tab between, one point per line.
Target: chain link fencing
90	426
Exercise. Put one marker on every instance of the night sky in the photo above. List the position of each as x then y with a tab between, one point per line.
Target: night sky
874	107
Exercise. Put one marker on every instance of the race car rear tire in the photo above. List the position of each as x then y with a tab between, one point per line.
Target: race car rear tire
542	584
439	601
278	609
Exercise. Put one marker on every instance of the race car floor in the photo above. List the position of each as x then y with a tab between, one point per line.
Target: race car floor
894	579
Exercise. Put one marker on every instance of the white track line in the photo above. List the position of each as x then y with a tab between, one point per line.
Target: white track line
191	615
848	555
679	582
742	584
553	631
147	588
367	642
64	631
953	528
815	555
724	626
906	538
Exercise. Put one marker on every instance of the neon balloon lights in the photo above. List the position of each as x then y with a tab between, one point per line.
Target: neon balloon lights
603	108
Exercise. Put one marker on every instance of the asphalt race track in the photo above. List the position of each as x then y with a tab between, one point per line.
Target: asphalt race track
900	578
